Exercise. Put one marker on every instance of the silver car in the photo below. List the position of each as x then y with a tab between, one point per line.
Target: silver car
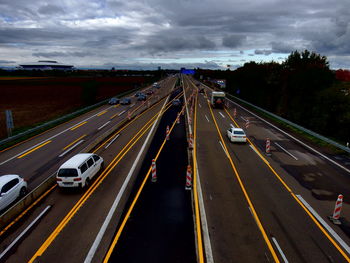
12	186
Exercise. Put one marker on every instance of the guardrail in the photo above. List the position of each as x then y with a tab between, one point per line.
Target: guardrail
60	119
312	133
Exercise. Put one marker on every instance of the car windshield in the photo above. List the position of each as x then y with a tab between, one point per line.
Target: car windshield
239	132
67	173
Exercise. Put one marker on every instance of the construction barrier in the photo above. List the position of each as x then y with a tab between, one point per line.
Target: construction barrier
247	123
190	142
154	171
188	178
234	113
337	209
178	118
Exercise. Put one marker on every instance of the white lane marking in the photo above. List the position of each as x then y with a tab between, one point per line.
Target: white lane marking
251	212
280	250
205	230
104	125
325	225
121	113
257	152
286	151
222	115
52	137
223	149
232	125
112	141
108	219
71	148
243	119
207	118
297	140
200	106
24	231
132	105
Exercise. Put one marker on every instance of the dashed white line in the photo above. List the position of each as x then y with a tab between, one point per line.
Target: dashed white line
71	148
222	115
286	151
112	141
207	118
280	250
243	119
200	106
132	105
325	225
24	232
223	149
104	125
232	125
121	113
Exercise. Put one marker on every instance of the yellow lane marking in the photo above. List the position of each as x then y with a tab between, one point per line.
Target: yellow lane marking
195	193
116	106
296	198
32	150
91	190
115	115
25	211
121	228
81	137
101	113
77	126
255	215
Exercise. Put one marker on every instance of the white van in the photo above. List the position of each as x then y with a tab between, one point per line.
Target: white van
79	170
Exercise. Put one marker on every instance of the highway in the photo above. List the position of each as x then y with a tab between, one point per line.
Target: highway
244	206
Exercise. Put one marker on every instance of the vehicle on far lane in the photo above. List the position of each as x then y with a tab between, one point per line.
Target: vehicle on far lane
217	99
113	101
12	186
149	92
236	135
141	97
125	101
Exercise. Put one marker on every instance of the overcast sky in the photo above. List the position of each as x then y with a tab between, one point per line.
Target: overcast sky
170	33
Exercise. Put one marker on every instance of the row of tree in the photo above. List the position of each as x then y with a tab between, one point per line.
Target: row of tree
303	89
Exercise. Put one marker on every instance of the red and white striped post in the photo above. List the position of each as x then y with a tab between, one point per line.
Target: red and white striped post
190	142
234	113
189	120
337	209
154	171
148	104
268	146
247	123
167	133
178	118
188	178
129	115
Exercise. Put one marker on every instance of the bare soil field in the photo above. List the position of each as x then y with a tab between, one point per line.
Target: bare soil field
36	100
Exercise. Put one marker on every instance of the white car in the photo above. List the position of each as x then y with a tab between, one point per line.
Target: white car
12	186
236	135
79	170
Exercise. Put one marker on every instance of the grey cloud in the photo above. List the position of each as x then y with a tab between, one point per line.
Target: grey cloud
61	54
50	10
262	52
7	62
233	41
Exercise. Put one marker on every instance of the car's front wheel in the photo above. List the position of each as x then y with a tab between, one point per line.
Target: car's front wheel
23	191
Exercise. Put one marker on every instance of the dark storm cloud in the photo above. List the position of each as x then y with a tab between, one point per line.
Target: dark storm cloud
50	10
262	52
7	62
61	54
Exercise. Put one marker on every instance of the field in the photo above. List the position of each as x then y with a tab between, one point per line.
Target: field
36	100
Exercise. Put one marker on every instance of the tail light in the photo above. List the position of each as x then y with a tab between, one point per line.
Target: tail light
58	179
77	179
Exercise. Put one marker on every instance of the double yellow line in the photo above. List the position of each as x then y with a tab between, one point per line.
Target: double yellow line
93	187
346	257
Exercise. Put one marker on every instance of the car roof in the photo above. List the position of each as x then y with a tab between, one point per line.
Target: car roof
76	160
5	178
237	129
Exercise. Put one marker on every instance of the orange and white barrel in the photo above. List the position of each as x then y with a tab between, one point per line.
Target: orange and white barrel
154	171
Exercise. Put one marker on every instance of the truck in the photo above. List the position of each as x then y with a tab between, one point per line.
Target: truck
217	99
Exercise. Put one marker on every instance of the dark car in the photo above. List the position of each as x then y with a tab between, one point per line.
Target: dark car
125	101
201	91
138	94
113	101
176	102
149	92
141	97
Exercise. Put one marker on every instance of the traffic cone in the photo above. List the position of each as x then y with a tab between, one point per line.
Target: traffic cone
337	209
129	115
190	142
167	133
234	113
154	171
188	178
268	147
178	118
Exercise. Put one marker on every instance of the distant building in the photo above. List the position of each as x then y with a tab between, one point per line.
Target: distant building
45	65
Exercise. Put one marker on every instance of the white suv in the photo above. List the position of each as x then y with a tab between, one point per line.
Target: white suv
79	170
12	186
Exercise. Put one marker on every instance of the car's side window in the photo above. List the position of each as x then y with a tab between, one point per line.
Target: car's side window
90	162
96	158
9	185
83	168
